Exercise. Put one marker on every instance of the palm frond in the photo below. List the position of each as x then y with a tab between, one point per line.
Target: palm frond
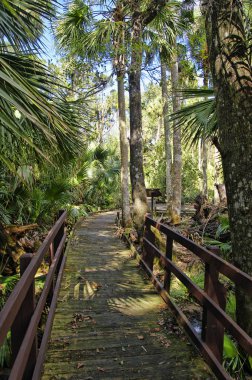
26	87
199	119
21	22
72	24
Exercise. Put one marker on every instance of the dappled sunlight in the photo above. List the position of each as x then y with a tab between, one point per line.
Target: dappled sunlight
137	306
85	290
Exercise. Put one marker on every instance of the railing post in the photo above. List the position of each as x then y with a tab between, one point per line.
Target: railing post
148	254
168	253
60	233
212	328
51	291
53	248
58	239
22	321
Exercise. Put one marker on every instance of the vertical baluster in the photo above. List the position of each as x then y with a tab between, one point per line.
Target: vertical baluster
22	321
58	239
50	294
148	254
168	253
212	329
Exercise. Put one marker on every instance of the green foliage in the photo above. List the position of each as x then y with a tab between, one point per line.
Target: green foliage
198	120
34	120
190	175
223	226
7	284
5	352
233	359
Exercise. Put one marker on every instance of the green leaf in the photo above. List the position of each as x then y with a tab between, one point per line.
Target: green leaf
230	349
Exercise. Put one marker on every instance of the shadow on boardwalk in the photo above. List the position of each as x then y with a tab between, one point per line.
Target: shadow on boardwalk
109	322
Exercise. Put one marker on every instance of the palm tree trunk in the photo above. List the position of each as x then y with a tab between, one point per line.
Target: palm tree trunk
204	149
126	217
167	133
232	79
177	150
204	166
119	65
136	141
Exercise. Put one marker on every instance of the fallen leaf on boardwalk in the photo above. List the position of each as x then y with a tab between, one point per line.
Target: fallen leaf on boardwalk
164	341
161	322
101	369
123	349
121	362
97	350
80	365
87	317
96	285
144	348
154	330
140	337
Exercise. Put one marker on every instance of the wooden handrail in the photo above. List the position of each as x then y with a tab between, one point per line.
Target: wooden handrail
212	298
9	315
229	270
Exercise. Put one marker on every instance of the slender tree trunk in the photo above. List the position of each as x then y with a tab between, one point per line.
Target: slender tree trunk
142	15
120	65
216	157
204	167
177	151
136	141
232	79
167	133
126	217
204	150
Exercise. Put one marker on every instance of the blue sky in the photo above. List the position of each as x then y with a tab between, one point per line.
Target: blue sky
48	40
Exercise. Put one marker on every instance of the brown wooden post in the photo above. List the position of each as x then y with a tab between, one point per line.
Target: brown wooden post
148	254
168	253
152	204
50	294
212	329
60	233
58	239
22	321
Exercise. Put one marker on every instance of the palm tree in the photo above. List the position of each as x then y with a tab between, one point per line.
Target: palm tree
161	35
80	33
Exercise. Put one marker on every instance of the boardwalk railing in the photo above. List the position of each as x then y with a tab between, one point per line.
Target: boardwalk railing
22	316
213	298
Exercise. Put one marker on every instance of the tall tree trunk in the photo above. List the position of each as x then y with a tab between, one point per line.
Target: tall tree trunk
204	150
177	151
120	65
126	217
141	17
216	156
204	167
136	141
232	79
167	133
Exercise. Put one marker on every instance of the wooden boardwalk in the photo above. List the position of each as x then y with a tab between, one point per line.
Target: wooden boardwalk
109	322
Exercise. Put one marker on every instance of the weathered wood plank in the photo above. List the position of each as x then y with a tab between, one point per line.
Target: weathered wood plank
110	323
